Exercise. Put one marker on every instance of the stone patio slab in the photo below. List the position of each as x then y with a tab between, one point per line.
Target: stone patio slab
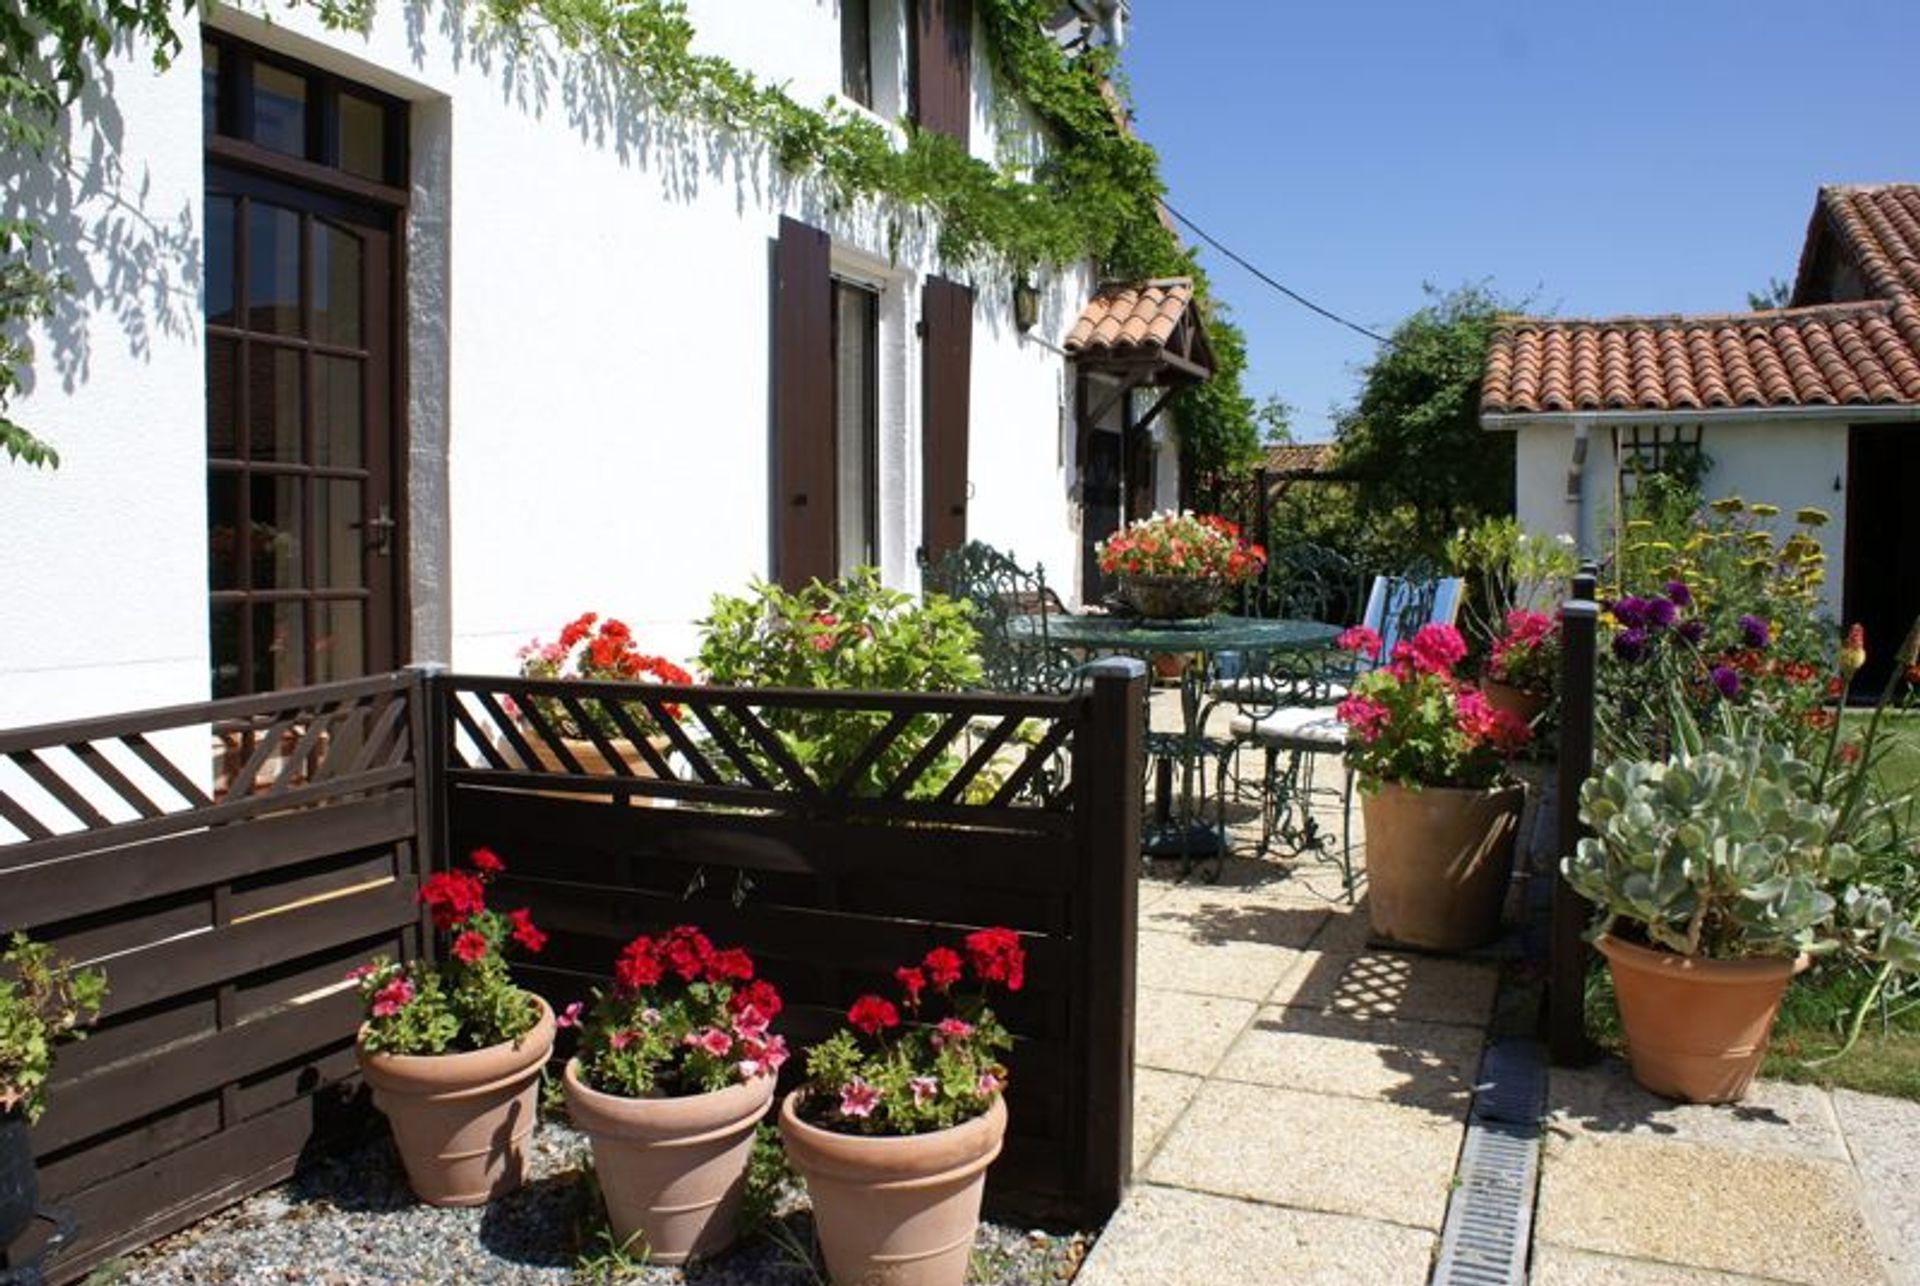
1158	1099
1313	1152
1766	1214
1558	1266
1883	1135
1205	913
1167	1237
1425	1065
1775	1116
1180	1032
1243	970
1391	984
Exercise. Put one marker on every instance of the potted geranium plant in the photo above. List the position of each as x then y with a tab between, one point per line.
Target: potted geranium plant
1720	871
675	1067
1431	753
590	647
1523	665
1178	565
901	1114
41	1003
453	1050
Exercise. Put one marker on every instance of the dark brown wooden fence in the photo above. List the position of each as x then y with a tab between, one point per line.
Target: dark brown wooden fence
1569	956
949	812
226	863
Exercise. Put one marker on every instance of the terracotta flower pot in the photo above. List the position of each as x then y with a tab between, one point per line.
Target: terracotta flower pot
19	1186
1438	862
671	1169
899	1210
1518	702
461	1121
1696	1029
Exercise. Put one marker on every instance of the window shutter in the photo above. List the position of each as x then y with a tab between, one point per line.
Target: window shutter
943	66
946	383
802	519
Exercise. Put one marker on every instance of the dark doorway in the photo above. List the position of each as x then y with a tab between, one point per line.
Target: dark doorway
1100	509
1883	529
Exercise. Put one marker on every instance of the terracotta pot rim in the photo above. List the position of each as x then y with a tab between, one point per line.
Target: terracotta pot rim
1486	678
1702	969
904	1160
712	1112
1491	792
494	1065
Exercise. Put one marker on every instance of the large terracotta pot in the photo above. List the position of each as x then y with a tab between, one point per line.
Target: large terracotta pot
1518	702
1438	862
671	1169
1173	597
895	1211
19	1187
462	1121
1696	1029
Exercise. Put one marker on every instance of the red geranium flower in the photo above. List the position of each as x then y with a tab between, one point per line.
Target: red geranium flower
913	982
733	964
873	1015
452	896
686	951
470	947
943	966
638	966
486	861
997	956
524	932
760	995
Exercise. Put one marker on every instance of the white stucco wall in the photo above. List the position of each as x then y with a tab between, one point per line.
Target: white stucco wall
588	357
1788	463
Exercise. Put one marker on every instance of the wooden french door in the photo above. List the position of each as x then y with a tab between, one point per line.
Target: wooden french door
302	510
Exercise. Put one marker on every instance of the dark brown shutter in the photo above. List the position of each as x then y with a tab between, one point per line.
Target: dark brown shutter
943	66
946	373
802	523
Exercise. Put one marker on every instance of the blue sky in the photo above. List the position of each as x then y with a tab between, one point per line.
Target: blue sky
1602	157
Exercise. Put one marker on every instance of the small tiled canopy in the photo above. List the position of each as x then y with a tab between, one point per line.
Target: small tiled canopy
1145	332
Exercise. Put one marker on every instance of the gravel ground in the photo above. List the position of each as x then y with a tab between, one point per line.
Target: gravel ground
348	1218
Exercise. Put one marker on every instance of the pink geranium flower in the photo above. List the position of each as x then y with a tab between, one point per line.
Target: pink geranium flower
951	1029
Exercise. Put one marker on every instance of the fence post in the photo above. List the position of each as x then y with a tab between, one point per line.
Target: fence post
1106	804
1568	954
427	725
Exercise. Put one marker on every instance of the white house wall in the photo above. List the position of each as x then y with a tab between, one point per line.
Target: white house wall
1791	464
588	362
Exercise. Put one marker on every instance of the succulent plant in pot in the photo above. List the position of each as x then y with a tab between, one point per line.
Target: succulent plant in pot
42	1002
1717	874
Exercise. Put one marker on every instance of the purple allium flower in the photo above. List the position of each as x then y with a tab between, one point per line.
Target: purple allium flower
1677	591
1754	632
1630	645
1660	613
1692	631
1631	612
1727	681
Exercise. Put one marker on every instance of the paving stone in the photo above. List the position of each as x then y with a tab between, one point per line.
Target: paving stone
1345	931
1426	1065
1558	1266
1158	1099
1766	1214
1388	984
1884	1135
1775	1116
1207	913
1243	970
1180	1032
1312	1151
1166	1237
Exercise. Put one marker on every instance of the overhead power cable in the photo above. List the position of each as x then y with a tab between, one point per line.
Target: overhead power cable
1290	293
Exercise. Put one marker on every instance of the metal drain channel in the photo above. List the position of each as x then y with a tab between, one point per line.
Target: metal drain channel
1489	1225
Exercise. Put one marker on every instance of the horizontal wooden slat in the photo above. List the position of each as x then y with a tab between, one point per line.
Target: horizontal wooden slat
81	1108
983	703
221	955
116	875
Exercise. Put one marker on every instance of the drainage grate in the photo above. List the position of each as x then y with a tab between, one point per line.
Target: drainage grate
1490	1215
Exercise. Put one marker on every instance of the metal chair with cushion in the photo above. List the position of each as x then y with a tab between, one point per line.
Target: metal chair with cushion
1293	719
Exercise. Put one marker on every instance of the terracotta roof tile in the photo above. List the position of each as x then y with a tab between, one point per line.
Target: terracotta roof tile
1880	227
1300	457
1131	319
1838	354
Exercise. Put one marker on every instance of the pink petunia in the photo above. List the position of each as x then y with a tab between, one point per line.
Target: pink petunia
761	1057
857	1098
988	1085
568	1017
925	1090
711	1041
749	1023
392	998
621	1039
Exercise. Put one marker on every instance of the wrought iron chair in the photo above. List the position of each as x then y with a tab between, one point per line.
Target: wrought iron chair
1293	716
1011	610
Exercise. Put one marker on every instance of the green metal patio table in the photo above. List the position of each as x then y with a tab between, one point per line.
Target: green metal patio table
1204	641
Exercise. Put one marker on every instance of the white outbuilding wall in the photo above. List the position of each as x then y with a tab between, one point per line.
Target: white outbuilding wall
588	339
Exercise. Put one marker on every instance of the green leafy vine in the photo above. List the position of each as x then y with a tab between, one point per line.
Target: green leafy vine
1095	194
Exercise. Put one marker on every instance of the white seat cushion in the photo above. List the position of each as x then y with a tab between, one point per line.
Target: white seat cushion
1304	727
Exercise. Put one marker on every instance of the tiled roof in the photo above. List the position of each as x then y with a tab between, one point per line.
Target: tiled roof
1865	353
1300	457
1131	319
1880	227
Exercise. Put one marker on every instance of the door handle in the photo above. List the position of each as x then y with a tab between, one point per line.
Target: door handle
381	525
